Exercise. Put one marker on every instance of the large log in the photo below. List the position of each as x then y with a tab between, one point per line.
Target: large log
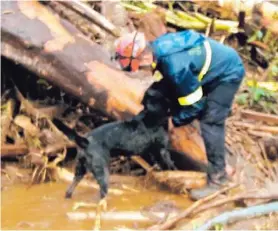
55	50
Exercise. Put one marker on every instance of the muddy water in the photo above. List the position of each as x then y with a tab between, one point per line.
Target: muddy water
44	207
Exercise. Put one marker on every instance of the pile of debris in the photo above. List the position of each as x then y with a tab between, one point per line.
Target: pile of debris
71	54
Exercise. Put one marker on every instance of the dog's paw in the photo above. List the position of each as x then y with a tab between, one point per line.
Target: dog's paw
68	195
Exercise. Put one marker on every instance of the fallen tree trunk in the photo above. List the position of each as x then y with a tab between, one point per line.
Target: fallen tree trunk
55	50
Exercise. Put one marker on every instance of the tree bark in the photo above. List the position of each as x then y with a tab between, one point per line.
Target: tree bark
13	150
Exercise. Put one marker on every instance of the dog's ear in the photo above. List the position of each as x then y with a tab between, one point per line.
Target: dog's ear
152	96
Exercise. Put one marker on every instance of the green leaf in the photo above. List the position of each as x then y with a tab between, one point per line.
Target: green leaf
242	99
274	70
259	93
43	82
218	227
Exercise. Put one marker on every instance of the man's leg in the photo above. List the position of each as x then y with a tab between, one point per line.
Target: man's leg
212	123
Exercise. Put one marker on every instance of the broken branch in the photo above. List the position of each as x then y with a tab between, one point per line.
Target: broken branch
236	198
264	128
169	223
13	150
93	15
249	114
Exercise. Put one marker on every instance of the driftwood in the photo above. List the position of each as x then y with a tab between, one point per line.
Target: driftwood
60	54
264	128
93	15
259	134
176	181
13	150
172	221
259	116
240	214
83	24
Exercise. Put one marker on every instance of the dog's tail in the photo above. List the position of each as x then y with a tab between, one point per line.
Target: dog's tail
71	134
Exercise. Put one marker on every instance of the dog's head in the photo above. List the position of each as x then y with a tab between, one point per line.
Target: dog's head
156	103
156	107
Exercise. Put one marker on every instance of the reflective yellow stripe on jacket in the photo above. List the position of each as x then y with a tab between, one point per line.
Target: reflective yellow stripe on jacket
196	95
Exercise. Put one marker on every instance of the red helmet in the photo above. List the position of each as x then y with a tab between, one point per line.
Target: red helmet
128	49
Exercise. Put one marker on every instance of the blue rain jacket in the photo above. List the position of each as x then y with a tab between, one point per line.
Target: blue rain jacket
180	57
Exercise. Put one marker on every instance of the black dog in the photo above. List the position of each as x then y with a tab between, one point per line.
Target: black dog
144	133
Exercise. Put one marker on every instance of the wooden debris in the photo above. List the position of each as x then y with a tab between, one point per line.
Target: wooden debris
13	150
175	181
80	67
172	221
93	15
25	123
259	116
83	24
263	128
6	119
259	134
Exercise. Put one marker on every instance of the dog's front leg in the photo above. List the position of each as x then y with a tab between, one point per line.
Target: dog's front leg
166	157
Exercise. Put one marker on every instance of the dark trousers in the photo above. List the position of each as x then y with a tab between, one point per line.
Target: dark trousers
212	121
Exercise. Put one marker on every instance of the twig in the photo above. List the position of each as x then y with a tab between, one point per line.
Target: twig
260	134
142	163
169	223
264	128
33	111
253	211
259	116
236	198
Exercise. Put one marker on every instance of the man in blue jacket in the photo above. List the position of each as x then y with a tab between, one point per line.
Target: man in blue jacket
201	77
